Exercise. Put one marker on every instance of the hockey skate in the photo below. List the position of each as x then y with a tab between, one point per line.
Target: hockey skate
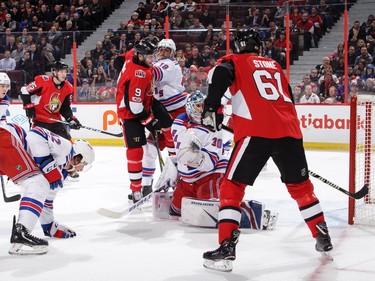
23	243
323	240
221	258
269	220
136	196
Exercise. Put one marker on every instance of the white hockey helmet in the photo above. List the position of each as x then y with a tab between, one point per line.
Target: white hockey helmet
83	148
168	43
194	106
4	79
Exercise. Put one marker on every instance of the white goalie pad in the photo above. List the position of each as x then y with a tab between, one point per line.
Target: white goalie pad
161	201
205	213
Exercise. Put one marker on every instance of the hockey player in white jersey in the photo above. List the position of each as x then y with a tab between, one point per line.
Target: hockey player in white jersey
4	98
170	92
55	157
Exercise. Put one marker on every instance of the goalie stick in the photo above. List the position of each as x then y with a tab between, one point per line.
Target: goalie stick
358	195
119	135
10	198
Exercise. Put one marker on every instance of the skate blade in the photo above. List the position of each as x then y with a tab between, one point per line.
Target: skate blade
326	256
221	265
25	250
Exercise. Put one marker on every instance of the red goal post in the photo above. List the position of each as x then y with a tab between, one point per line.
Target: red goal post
362	158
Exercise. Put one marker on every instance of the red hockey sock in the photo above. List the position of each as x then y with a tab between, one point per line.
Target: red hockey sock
308	204
134	157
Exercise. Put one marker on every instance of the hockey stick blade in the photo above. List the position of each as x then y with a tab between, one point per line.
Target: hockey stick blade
119	135
117	215
358	195
8	199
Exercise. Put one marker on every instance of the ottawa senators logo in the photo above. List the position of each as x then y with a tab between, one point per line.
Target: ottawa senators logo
140	73
54	103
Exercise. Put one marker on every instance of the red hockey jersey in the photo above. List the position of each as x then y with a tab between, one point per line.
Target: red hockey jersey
134	90
48	99
261	101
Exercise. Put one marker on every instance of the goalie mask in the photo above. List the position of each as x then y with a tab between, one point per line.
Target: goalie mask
194	106
84	152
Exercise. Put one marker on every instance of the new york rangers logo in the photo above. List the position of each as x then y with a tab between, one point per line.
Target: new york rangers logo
140	73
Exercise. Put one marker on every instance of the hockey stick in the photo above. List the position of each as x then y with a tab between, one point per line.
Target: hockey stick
358	195
10	198
156	142
119	135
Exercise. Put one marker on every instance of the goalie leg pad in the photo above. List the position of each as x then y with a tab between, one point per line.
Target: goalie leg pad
161	202
199	212
252	214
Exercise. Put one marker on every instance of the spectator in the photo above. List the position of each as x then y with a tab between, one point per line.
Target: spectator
84	92
325	85
207	55
338	53
111	71
369	85
266	18
320	67
154	24
306	26
101	62
141	10
360	43
297	94
189	21
309	96
368	73
195	58
97	51
280	44
307	81
54	13
295	15
97	12
338	67
112	53
26	64
23	36
90	70
364	56
317	21
107	92
17	54
35	58
207	36
160	33
192	82
176	19
43	14
46	51
35	24
135	19
328	70
106	44
196	25
188	50
7	63
354	89
356	32
87	18
231	42
332	98
99	77
351	56
61	20
270	51
273	32
8	23
206	19
253	18
314	78
177	5
55	38
368	23
16	13
280	14
68	34
160	10
190	6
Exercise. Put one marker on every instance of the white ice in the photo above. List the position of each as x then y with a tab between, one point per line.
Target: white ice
138	247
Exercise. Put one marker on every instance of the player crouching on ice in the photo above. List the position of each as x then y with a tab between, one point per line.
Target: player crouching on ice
202	158
56	157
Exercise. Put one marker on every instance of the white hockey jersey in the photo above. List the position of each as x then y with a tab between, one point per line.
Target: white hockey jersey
43	144
215	146
168	84
4	105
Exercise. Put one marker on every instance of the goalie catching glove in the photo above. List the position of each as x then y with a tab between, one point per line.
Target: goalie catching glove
190	153
212	119
74	122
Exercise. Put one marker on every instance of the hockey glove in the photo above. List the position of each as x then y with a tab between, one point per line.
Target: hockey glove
30	110
152	124
74	123
190	153
54	229
51	173
212	119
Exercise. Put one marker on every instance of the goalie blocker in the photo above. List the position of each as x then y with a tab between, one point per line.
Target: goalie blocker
204	213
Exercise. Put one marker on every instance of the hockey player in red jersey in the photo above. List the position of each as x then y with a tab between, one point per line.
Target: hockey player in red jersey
265	125
49	97
137	109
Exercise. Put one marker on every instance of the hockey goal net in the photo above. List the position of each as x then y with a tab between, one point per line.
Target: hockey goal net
362	159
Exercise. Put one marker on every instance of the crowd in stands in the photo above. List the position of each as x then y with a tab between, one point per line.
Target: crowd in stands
34	34
325	82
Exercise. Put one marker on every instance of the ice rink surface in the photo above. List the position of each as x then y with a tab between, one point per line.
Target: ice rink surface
139	247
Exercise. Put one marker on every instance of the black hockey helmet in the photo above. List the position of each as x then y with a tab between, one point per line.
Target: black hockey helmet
248	41
58	65
144	47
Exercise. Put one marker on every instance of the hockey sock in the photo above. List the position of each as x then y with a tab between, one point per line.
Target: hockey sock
308	204
134	157
231	193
